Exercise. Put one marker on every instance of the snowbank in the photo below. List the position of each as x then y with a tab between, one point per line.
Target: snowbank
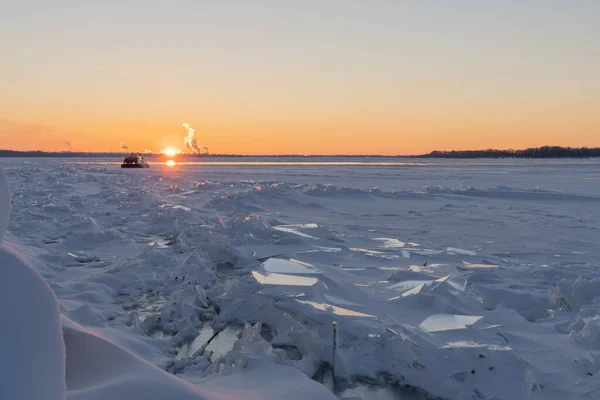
44	359
32	361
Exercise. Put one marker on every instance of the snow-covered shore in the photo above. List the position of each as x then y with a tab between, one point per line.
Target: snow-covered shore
459	282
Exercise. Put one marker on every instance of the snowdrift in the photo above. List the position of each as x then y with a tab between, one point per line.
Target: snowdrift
43	358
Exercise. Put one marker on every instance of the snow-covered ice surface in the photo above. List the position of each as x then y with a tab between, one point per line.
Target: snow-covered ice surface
453	280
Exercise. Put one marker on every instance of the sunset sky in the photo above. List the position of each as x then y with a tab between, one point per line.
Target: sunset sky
310	77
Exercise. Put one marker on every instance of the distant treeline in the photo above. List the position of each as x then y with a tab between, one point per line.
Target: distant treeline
38	153
535	152
77	154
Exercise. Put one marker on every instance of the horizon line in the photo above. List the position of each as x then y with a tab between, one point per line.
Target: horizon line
433	153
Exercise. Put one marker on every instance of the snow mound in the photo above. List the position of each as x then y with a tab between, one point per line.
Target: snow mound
98	369
32	364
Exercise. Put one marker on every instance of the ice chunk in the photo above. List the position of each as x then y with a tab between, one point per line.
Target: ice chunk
447	322
367	251
470	265
318	249
200	300
283	266
334	309
199	343
468	344
589	335
410	275
584	291
408	285
337	300
252	343
415	290
281	279
461	251
293	229
390	242
224	342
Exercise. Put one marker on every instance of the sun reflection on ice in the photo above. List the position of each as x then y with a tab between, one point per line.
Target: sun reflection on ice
171	163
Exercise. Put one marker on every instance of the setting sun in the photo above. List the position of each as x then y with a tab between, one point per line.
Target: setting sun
170	151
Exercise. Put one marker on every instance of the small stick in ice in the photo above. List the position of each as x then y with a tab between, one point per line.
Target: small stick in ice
334	350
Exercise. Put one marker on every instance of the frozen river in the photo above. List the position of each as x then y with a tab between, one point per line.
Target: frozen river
453	278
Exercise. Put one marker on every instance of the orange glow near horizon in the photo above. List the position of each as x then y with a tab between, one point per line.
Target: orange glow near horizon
404	136
170	151
170	163
387	78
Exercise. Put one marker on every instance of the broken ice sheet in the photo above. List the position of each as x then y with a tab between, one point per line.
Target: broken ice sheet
360	250
470	265
337	300
223	343
190	349
448	322
335	310
279	265
282	279
467	344
319	249
463	252
415	290
408	285
293	229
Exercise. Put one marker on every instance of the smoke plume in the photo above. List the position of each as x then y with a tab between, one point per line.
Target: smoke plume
190	140
124	146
